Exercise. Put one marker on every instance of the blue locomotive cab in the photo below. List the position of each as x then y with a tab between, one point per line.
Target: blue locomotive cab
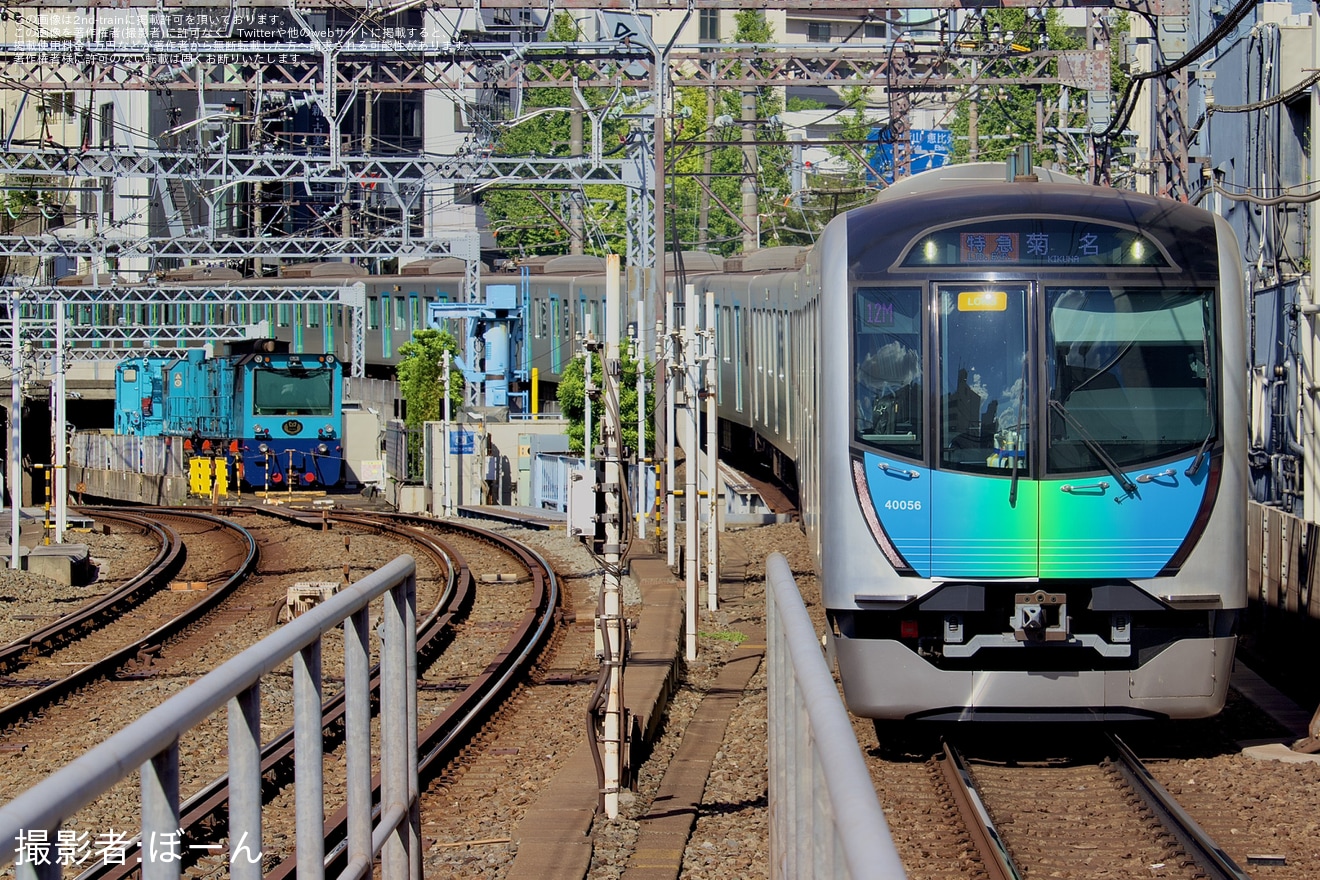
139	396
290	419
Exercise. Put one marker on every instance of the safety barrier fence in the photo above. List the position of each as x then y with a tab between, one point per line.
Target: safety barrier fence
137	455
31	823
825	818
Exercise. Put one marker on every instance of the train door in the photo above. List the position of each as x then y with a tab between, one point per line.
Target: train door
985	506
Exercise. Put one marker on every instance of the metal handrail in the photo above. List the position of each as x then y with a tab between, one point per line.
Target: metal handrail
151	743
813	747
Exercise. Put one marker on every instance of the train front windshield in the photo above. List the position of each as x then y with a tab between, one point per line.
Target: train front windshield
1127	374
283	392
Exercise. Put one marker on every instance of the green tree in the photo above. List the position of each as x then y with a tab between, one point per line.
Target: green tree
572	400
421	384
692	135
1006	115
526	219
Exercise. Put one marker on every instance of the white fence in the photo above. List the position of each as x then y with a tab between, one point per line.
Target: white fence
826	820
138	455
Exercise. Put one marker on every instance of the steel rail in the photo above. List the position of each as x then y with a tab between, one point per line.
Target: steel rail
1209	857
77	623
205	809
464	717
103	668
994	853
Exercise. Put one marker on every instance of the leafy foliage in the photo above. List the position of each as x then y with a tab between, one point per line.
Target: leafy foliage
1006	115
529	219
421	383
572	400
694	140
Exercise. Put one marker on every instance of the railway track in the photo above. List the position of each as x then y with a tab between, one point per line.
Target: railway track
133	643
1073	818
495	654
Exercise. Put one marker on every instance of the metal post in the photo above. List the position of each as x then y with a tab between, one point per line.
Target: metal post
245	780
307	755
612	603
712	460
640	357
57	387
15	434
357	736
447	495
160	815
692	463
672	364
396	670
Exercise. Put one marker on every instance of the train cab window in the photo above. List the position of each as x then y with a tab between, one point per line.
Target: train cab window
984	399
887	356
284	392
1130	375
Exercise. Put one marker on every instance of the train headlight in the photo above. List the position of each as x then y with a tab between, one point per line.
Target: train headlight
322	449
263	448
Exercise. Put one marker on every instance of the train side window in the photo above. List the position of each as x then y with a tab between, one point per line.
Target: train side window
738	358
542	326
373	313
401	314
726	349
888	402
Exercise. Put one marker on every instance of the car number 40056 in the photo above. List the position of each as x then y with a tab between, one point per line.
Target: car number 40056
902	504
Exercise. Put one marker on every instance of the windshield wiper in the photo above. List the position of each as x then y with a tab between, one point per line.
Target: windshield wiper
1200	455
1209	395
1097	450
1013	484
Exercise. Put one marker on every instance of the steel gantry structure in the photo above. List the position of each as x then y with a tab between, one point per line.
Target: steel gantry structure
194	47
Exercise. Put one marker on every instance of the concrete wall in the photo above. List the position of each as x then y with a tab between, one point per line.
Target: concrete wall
130	487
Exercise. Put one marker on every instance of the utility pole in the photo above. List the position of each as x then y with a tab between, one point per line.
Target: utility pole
60	487
691	462
672	366
639	515
611	620
751	222
712	460
15	433
444	458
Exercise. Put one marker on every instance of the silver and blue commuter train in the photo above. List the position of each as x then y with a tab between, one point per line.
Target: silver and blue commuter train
1017	412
